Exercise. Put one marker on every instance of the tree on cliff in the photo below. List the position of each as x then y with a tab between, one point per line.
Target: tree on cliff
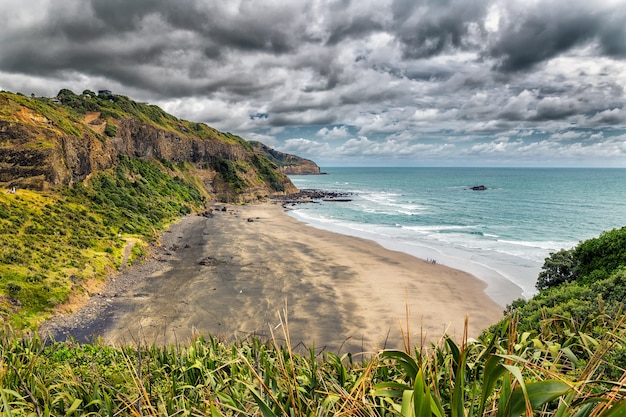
558	268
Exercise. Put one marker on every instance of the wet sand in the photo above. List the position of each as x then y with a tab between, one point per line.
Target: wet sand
231	275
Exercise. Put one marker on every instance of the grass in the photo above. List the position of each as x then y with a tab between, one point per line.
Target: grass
54	242
502	374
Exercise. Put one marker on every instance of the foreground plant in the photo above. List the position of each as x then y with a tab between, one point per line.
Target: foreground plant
513	376
502	374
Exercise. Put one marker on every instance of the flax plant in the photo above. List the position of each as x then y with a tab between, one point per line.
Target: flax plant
504	373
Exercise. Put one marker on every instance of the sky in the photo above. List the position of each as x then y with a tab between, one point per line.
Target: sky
349	82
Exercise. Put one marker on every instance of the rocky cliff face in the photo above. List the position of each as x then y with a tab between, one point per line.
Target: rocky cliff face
287	163
45	145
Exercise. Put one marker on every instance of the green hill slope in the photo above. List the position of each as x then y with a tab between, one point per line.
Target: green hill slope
85	175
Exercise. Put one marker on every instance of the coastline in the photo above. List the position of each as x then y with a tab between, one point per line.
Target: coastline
230	276
500	288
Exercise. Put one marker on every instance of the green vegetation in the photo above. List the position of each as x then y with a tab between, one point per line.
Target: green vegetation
505	374
67	114
268	172
563	357
585	282
52	243
277	158
87	115
59	115
231	171
562	353
110	130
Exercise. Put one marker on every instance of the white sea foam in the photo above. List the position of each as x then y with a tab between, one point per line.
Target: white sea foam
501	235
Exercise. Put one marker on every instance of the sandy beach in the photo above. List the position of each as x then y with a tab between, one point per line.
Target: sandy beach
232	274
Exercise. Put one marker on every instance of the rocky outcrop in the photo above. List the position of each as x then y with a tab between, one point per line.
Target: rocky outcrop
47	151
287	163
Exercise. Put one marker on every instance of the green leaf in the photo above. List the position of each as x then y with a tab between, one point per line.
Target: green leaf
405	361
265	409
537	393
492	372
390	389
421	397
618	410
571	356
504	403
6	408
457	407
585	410
406	409
454	349
74	407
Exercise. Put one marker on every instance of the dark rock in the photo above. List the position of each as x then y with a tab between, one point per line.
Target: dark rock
478	188
207	213
209	261
312	196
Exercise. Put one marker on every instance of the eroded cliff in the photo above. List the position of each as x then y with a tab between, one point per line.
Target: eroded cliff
47	143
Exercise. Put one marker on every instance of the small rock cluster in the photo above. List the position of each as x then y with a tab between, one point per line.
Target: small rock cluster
309	196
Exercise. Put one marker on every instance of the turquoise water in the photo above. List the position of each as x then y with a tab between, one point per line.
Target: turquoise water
501	235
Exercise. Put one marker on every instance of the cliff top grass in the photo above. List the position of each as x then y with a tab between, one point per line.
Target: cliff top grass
66	114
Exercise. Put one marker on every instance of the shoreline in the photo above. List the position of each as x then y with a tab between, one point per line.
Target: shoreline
230	276
499	288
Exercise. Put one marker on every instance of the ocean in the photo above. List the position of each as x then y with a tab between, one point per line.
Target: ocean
501	235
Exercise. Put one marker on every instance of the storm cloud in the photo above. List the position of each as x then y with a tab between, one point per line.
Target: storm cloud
396	82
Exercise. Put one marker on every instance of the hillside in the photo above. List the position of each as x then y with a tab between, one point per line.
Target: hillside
89	182
49	143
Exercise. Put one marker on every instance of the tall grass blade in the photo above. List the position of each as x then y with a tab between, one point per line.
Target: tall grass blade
74	407
457	407
265	409
5	403
492	372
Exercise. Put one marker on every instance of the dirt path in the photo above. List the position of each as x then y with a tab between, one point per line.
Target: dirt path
130	243
94	317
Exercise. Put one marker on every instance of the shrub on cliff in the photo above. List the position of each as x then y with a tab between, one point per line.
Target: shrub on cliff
110	130
592	260
578	285
52	243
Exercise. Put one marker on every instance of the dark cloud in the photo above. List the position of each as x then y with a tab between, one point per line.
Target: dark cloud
613	33
555	108
547	29
392	73
430	27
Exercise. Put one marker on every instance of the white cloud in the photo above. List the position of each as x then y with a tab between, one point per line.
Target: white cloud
336	132
571	134
610	117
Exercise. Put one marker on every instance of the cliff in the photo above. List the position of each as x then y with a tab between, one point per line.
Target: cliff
49	143
287	163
